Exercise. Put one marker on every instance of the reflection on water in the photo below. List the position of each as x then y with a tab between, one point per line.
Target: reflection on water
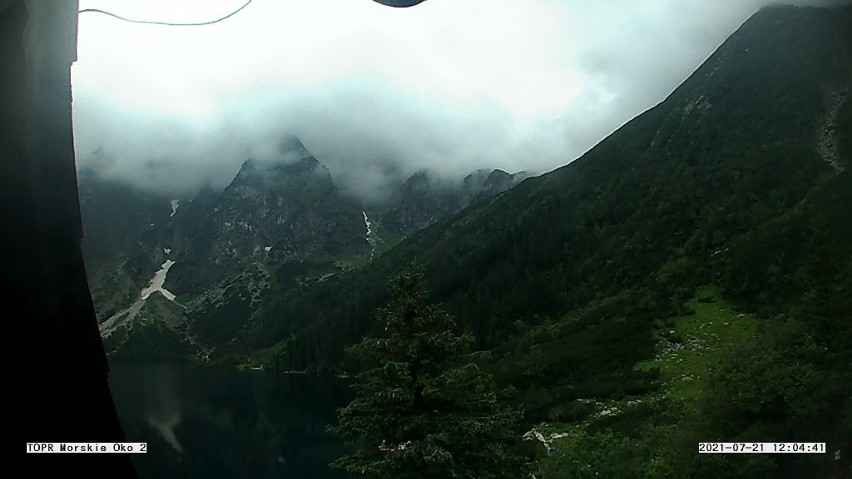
230	424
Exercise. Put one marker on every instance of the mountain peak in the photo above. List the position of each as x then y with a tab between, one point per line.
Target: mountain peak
295	166
292	149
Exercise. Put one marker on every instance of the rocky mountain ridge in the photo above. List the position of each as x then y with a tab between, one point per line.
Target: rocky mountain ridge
218	254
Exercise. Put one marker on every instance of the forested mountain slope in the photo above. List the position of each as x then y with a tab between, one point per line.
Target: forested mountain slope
602	285
674	199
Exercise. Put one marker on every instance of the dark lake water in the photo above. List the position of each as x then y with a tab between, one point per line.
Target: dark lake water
207	423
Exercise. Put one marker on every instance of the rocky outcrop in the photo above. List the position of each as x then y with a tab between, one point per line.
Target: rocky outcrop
275	210
827	131
426	197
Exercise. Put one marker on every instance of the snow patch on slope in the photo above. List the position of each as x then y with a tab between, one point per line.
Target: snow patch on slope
370	236
157	282
127	315
368	224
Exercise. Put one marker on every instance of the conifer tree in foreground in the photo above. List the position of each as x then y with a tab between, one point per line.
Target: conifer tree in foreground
423	408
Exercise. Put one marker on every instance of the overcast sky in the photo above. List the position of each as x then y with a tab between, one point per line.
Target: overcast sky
375	92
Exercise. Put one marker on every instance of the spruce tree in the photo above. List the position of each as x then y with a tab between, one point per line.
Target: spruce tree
423	408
